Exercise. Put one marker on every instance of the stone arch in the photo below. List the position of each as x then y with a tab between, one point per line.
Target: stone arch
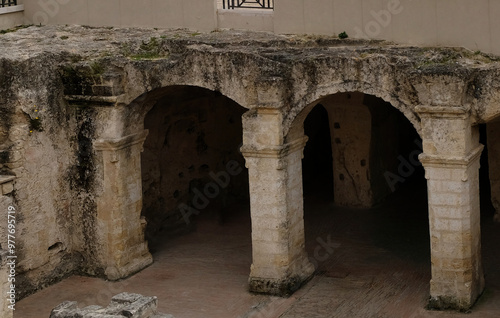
120	226
136	110
296	116
194	132
371	172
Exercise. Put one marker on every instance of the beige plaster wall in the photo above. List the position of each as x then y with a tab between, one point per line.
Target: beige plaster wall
468	23
256	20
464	23
194	14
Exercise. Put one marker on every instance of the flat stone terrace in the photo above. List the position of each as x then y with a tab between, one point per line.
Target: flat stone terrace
90	42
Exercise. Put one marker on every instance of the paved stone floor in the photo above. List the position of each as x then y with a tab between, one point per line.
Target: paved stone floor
370	263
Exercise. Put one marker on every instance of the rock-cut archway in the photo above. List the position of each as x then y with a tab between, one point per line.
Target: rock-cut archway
201	131
191	164
441	100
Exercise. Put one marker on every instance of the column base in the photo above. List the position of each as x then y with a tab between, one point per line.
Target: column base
461	303
449	303
281	286
277	287
135	265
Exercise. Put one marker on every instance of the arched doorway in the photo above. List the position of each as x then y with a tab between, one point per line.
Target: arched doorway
191	164
374	225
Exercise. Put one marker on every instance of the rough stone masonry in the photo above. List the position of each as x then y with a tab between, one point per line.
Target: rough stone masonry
73	103
122	305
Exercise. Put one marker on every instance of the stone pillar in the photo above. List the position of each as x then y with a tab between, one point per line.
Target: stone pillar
493	136
351	132
451	161
120	227
280	263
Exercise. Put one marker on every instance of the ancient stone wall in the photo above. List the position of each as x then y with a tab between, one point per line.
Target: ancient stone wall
371	143
36	147
73	101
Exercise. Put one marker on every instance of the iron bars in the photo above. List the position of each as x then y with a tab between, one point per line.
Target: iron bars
8	3
246	4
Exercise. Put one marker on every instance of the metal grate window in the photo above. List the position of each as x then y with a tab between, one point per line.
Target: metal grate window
8	3
248	4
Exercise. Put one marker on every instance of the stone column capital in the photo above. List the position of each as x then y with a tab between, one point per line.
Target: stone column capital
277	152
451	162
428	160
449	112
120	143
447	131
115	145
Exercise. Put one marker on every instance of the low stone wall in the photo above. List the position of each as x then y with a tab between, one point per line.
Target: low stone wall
122	305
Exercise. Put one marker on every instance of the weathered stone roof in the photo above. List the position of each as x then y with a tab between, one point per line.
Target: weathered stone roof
256	69
92	42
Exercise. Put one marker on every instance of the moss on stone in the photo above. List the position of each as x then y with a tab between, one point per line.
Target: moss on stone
14	29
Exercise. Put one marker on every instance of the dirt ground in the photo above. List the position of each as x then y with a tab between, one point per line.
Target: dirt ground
370	263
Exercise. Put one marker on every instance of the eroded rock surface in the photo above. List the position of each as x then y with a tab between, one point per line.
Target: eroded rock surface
122	305
66	89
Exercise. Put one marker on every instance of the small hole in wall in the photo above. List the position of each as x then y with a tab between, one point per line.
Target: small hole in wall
56	247
341	177
204	168
176	194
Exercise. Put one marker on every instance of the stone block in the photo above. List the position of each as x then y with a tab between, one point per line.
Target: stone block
449	199
124	298
122	305
143	307
7	188
64	309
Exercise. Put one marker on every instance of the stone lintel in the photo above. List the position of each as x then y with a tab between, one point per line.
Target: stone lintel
277	152
455	112
120	143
